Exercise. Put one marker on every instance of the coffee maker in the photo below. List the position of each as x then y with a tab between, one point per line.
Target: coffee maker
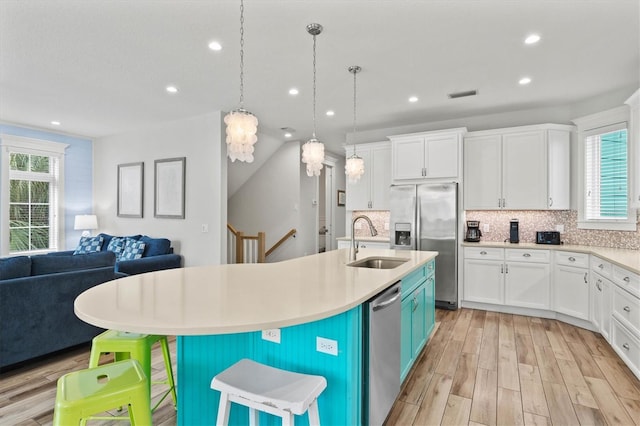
473	231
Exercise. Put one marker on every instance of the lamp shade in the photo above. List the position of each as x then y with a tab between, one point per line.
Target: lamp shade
86	222
313	156
354	168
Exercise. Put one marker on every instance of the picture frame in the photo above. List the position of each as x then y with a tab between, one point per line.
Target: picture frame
169	188
342	198
130	190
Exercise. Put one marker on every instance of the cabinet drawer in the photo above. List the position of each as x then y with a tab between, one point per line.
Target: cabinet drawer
627	345
627	306
627	279
535	256
412	280
485	253
569	258
600	266
431	267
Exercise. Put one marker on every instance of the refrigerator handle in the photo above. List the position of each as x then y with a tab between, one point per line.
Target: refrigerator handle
416	204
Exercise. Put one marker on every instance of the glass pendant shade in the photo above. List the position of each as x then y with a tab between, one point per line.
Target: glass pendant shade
354	168
241	135
313	156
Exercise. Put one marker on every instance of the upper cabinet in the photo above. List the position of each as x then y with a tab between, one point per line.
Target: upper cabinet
634	144
371	191
427	155
520	168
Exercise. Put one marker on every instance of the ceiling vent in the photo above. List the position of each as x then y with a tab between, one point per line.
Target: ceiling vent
462	94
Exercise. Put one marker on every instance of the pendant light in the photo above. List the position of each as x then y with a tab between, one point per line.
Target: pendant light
241	124
313	149
354	167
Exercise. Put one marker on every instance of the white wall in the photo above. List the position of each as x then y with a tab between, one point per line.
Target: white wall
199	139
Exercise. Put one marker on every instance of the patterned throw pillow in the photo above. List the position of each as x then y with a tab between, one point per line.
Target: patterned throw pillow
116	245
132	249
89	245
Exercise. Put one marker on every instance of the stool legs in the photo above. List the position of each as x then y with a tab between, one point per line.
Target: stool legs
223	410
314	414
164	343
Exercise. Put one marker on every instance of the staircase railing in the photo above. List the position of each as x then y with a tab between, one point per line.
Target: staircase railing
243	248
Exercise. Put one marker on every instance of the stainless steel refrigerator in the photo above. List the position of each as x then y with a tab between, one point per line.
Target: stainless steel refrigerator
425	217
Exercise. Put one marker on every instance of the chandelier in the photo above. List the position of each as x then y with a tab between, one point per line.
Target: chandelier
241	124
313	149
354	167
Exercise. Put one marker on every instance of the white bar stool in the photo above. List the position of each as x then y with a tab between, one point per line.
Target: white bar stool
272	390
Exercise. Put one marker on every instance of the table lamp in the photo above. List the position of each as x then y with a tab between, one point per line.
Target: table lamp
86	222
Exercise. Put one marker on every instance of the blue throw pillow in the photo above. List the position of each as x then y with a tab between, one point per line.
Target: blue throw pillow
116	245
132	249
155	246
15	267
89	245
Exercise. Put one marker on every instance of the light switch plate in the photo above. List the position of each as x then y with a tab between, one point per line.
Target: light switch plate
272	335
327	346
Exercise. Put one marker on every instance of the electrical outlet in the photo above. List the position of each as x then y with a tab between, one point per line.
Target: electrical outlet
205	228
560	228
272	335
485	227
327	346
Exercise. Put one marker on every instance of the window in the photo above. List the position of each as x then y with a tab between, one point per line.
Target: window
31	173
604	179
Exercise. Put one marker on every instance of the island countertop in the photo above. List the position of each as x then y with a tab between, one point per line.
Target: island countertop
222	299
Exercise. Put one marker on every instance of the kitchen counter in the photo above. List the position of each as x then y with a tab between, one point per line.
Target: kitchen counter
367	239
625	258
240	298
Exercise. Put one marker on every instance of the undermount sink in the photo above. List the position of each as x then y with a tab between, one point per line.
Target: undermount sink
378	262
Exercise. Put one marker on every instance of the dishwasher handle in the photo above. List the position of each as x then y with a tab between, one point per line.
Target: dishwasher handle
394	295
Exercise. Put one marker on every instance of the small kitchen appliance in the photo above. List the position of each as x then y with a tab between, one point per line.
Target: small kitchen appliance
548	237
473	231
514	233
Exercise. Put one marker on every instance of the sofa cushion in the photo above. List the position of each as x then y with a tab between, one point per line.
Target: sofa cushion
155	246
116	245
43	264
107	238
15	267
132	249
89	245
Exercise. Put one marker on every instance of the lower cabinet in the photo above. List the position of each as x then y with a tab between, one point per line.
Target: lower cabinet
601	295
571	284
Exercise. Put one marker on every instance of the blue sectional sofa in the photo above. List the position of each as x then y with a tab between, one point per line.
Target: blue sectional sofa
36	302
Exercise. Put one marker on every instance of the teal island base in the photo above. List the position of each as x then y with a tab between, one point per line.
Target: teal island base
202	357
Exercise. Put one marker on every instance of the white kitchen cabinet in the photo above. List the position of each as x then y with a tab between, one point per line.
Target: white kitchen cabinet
527	278
427	155
484	275
517	168
571	284
601	296
371	191
634	145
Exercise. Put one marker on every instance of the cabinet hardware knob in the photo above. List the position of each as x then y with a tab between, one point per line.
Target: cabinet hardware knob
483	252
572	259
626	346
585	278
499	202
550	202
626	279
526	255
502	269
626	309
601	266
506	269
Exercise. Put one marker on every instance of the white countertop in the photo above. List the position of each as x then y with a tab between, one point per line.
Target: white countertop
367	239
629	259
240	298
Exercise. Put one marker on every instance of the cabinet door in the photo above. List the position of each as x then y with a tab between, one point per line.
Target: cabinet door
596	300
441	156
483	281
606	309
571	291
559	158
527	284
408	158
359	193
405	336
430	305
524	171
418	321
380	178
482	172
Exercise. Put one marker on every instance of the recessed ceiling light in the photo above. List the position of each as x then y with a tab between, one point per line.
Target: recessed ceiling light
524	81
55	123
215	46
172	89
413	99
532	39
330	113
293	91
287	135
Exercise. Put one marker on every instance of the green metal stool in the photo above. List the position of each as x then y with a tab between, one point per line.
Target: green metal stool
125	345
82	394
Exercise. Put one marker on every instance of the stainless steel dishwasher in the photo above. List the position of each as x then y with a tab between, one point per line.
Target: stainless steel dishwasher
382	355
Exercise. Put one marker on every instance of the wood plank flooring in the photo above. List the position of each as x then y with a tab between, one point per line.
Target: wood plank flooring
479	368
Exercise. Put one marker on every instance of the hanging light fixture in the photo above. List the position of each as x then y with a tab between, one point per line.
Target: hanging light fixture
354	167
313	149
241	124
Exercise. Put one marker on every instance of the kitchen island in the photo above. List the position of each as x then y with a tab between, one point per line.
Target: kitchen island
218	313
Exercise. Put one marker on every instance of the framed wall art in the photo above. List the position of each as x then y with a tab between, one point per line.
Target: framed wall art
342	198
169	188
130	190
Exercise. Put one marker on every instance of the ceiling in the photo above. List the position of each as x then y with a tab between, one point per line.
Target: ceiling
101	67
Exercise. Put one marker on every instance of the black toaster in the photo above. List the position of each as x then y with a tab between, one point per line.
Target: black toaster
548	237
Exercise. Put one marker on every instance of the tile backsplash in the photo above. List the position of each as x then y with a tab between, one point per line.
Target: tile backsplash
531	221
379	218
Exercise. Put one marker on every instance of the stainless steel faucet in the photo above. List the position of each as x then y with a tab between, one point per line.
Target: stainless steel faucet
353	250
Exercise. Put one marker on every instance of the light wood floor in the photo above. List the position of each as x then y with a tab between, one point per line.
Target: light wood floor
478	368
